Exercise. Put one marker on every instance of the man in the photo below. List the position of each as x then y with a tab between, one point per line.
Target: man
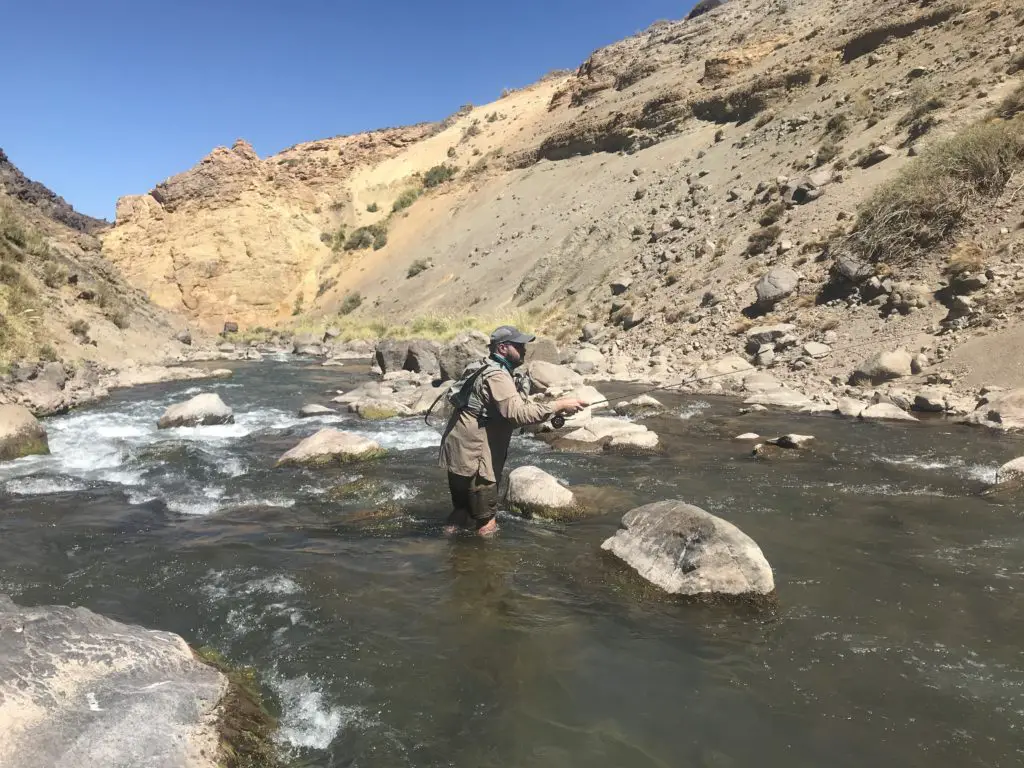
476	439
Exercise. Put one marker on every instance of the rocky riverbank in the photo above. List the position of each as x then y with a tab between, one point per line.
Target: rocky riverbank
80	689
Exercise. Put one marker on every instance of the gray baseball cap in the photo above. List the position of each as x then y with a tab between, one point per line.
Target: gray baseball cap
507	334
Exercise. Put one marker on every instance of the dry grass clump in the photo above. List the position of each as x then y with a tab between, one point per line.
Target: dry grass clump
772	213
921	118
1012	105
762	239
930	199
966	259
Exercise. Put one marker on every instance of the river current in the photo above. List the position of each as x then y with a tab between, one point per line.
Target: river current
895	639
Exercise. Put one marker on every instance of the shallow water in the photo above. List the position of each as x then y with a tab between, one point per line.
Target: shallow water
895	639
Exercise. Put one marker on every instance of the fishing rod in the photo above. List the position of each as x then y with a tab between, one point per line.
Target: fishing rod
558	421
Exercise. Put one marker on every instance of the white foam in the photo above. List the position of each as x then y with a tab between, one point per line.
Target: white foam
308	720
984	472
693	409
33	486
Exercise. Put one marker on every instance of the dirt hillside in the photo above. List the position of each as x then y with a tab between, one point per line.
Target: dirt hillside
646	196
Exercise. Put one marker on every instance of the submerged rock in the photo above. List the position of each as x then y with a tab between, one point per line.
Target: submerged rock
532	491
792	442
686	551
79	689
378	410
1011	474
641	405
640	441
21	434
201	410
308	411
331	446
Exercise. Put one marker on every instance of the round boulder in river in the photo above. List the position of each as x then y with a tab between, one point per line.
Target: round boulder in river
532	491
21	434
201	410
308	411
686	551
331	446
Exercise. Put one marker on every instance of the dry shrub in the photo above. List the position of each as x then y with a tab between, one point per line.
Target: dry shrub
920	118
772	213
741	327
828	151
829	324
965	259
1016	64
929	200
762	239
1012	105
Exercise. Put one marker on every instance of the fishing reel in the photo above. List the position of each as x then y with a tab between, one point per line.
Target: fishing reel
558	421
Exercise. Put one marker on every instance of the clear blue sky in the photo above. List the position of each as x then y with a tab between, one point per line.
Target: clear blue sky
106	98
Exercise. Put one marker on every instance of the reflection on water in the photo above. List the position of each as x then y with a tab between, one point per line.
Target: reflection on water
894	641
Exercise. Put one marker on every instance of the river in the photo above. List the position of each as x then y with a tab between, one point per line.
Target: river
895	639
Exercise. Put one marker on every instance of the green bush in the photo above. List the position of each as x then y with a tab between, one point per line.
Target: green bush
118	316
417	266
372	208
350	303
47	353
375	235
79	328
438	175
828	151
407	198
930	199
299	302
380	239
1012	105
11	228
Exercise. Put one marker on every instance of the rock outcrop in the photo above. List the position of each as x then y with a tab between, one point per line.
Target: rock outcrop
202	410
331	446
883	367
1003	410
21	434
686	551
78	689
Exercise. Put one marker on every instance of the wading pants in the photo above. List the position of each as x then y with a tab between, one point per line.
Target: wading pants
474	500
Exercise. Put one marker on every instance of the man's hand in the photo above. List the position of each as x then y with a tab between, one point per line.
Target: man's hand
567	406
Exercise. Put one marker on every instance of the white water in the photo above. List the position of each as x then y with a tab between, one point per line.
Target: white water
122	449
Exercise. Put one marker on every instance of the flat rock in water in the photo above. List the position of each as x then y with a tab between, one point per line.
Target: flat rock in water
378	410
202	410
686	551
21	434
640	441
885	411
784	398
792	441
78	689
532	491
849	407
331	446
307	411
641	405
748	436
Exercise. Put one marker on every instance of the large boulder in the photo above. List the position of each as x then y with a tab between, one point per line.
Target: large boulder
79	689
21	434
331	446
307	344
543	349
546	376
588	360
686	551
1000	410
1011	473
532	491
201	410
883	367
454	356
730	370
391	355
775	285
421	357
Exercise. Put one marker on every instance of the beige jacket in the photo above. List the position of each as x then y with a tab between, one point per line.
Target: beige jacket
469	449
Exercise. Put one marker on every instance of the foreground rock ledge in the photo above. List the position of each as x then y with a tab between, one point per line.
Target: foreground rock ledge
20	433
331	446
78	689
686	551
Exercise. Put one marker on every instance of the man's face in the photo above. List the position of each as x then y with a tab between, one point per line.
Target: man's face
514	353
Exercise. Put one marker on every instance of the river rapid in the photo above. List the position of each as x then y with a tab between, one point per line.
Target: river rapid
895	639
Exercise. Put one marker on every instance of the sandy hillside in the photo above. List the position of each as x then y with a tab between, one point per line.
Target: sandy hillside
684	163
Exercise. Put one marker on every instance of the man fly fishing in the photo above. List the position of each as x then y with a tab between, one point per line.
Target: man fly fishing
488	406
